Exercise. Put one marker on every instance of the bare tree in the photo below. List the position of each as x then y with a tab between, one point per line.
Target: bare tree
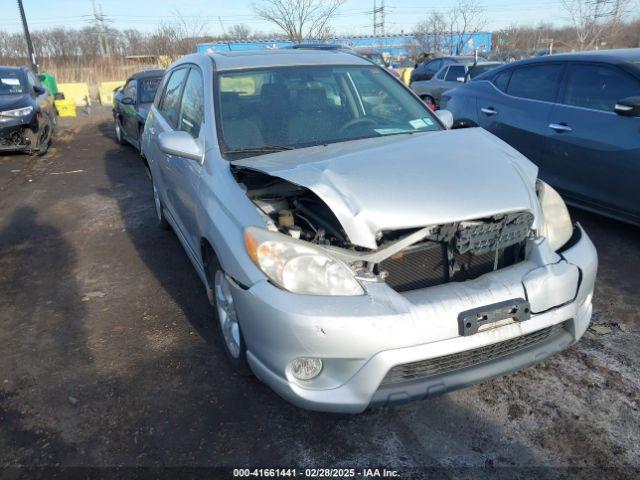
466	18
594	19
300	19
449	32
239	32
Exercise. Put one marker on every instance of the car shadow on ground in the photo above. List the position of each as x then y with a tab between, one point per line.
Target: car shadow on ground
231	419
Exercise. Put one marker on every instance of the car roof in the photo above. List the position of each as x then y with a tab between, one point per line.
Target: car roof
284	58
147	74
620	56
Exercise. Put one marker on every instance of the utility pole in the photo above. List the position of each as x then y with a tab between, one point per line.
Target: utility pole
27	36
99	24
378	17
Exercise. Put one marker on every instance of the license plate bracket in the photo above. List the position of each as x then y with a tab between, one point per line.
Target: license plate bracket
470	321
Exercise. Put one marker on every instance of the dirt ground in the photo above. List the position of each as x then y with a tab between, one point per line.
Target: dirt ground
109	357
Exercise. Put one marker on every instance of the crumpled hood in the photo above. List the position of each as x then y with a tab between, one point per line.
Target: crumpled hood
402	181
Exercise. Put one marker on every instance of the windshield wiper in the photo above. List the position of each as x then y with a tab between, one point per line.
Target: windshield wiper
262	149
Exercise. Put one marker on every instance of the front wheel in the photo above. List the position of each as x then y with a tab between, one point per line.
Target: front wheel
44	138
227	319
429	100
162	220
118	129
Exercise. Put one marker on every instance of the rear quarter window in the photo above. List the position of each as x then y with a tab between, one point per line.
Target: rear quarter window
536	82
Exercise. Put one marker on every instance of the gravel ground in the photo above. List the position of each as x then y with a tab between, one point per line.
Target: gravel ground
109	356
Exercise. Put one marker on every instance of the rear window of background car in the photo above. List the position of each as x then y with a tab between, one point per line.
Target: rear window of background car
502	80
454	72
171	98
536	82
598	87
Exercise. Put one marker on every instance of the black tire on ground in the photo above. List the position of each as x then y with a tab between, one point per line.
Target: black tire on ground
118	129
162	220
140	130
44	139
237	361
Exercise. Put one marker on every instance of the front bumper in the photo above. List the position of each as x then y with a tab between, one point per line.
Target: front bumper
360	339
18	134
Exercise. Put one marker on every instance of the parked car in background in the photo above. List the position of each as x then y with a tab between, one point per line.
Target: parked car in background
577	116
376	57
355	250
448	77
427	69
27	112
131	105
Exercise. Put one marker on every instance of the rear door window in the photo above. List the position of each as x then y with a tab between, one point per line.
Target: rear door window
441	74
455	71
170	104
598	86
536	82
192	105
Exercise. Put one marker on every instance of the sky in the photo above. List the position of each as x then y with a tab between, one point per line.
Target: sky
354	17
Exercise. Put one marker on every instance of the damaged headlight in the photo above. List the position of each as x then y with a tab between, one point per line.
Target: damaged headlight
557	226
18	112
298	266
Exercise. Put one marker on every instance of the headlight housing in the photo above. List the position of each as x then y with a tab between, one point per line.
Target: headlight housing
298	266
18	112
557	226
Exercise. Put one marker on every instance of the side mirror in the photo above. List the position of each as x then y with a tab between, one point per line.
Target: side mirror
38	90
59	96
628	107
446	117
128	101
461	79
179	144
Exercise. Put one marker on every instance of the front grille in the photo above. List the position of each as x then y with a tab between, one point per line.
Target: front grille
428	266
456	361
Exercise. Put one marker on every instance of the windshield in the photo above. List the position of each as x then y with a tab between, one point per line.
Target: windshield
377	59
281	108
148	88
12	83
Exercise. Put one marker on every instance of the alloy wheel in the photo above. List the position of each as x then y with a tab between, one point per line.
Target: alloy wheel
227	314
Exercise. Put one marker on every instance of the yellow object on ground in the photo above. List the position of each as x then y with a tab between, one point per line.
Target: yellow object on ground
66	108
406	75
105	91
77	92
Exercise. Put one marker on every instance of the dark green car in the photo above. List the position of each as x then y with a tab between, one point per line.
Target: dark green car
131	105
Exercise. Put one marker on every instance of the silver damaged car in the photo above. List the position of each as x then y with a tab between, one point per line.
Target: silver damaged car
358	252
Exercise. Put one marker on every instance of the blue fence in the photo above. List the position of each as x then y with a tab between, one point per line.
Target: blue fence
394	45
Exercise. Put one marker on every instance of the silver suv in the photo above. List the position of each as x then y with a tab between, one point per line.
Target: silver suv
345	269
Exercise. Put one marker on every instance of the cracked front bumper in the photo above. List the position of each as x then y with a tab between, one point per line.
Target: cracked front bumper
360	339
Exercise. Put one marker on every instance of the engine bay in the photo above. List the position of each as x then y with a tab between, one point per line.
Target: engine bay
406	259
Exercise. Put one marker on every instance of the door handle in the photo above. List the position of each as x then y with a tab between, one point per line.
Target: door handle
488	111
560	127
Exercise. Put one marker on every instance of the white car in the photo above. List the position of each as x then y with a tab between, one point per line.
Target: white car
358	252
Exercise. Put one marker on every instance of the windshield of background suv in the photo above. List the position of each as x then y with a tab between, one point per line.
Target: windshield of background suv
148	88
12	83
281	108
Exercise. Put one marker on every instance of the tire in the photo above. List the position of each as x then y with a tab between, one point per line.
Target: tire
44	139
118	129
431	103
162	220
226	318
140	130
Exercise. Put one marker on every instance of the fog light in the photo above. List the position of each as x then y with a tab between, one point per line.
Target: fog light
306	368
